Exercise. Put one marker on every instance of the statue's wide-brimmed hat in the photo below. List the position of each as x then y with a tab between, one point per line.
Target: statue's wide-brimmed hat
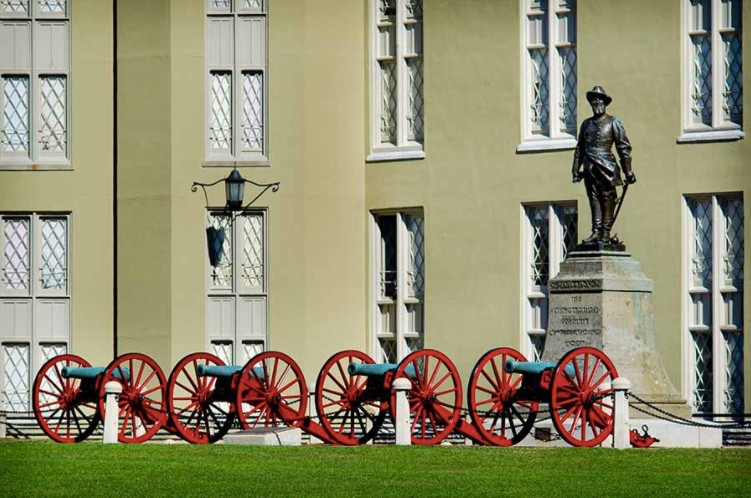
599	91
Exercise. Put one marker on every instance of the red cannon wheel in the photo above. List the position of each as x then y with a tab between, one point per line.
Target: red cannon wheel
143	400
435	399
495	407
271	391
65	409
345	411
580	403
199	411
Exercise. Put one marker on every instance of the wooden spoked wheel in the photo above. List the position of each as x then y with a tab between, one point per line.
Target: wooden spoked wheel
435	398
347	412
496	410
142	404
580	397
200	411
66	409
271	392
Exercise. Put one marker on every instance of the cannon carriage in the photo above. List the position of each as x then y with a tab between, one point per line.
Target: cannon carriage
69	397
354	396
506	391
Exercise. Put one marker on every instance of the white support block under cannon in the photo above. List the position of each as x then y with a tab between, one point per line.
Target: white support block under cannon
3	425
621	423
112	390
403	433
266	436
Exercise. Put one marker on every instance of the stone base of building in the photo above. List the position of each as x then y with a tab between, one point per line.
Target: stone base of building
266	436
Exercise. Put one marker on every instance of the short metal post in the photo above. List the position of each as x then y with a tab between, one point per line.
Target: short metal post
312	410
112	390
621	423
3	425
403	432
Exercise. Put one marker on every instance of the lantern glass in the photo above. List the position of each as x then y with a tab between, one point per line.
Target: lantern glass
235	187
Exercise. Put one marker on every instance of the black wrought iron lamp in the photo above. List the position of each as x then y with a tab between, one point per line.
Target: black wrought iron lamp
234	187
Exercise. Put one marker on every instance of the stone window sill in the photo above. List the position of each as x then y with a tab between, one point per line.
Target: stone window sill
36	166
395	155
238	164
690	137
547	145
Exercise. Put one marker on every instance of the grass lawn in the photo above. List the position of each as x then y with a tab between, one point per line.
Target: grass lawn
44	468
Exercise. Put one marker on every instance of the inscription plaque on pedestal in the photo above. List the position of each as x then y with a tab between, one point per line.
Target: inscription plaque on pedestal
603	299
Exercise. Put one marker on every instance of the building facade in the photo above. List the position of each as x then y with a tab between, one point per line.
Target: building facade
424	151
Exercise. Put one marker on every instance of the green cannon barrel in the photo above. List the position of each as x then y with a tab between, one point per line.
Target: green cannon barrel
224	370
532	367
377	369
90	372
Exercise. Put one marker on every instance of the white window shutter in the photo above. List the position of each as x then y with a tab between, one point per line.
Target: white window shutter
220	318
52	319
220	42
15	38
51	46
15	318
251	49
251	318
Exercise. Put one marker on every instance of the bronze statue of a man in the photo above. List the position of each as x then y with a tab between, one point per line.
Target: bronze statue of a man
601	173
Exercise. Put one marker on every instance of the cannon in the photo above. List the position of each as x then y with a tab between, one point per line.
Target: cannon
69	397
360	393
205	396
505	392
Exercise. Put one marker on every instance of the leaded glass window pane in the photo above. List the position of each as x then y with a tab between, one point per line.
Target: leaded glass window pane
52	6
252	4
388	102
252	258
568	89
53	133
416	265
387	263
734	247
252	124
250	349
732	94
702	371
54	271
16	254
538	345
50	351
15	114
540	263
415	111
16	366
540	93
14	6
701	92
568	219
734	372
223	350
221	275
221	111
701	254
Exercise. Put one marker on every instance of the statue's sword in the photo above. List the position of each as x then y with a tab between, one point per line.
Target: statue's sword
620	202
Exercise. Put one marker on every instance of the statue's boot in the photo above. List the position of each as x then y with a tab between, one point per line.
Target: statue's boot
594	237
608	216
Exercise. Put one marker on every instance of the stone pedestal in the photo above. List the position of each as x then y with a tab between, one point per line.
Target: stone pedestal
603	299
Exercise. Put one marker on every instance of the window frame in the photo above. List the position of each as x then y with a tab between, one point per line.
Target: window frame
34	295
237	291
720	129
404	147
401	333
555	139
531	316
36	159
715	291
236	157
